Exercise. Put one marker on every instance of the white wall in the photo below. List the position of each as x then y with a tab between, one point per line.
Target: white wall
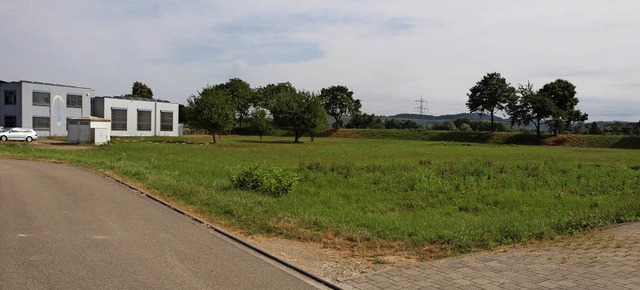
132	107
57	109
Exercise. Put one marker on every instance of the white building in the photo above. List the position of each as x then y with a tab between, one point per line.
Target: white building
47	109
137	116
42	106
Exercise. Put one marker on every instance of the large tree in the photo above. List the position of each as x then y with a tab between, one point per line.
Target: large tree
212	109
267	95
242	96
339	102
141	90
298	112
563	96
490	95
530	107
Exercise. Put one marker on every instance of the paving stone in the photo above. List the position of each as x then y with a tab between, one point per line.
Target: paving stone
595	261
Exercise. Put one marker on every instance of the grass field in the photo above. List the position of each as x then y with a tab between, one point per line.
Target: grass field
429	198
497	138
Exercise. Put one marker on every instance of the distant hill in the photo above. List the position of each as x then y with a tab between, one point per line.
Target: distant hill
450	117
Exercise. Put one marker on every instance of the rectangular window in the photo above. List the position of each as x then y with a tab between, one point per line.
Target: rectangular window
41	98
74	101
166	121
118	119
41	123
10	97
144	120
10	121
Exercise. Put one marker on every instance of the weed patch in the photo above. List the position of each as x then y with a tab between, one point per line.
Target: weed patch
269	180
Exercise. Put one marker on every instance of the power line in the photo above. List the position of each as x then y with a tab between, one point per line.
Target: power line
421	108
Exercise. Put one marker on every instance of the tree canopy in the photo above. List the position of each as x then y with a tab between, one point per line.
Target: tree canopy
562	94
490	95
260	122
141	90
339	101
243	98
530	107
298	112
212	109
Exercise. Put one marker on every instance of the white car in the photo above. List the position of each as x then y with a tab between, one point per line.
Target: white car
19	134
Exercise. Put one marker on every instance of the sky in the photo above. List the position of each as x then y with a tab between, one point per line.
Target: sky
389	53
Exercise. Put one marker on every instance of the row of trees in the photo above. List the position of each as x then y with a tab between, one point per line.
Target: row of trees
553	105
235	104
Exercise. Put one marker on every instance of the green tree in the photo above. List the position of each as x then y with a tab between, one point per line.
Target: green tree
339	102
298	112
580	128
212	109
141	90
594	130
260	122
317	116
266	96
242	96
530	108
636	129
490	95
362	121
182	114
563	96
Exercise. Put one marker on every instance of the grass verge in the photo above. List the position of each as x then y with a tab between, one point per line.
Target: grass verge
429	198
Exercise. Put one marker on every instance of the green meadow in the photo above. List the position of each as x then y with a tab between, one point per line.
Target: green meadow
412	195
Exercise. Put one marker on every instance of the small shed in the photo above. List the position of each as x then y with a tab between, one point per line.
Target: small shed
85	130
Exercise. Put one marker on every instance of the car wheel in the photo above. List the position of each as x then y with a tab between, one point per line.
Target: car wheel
29	139
3	138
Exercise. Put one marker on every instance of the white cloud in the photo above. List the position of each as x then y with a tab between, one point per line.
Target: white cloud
389	52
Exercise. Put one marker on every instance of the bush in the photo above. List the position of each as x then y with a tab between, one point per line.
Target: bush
270	180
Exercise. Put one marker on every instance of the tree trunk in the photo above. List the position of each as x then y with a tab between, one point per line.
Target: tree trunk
260	136
492	127
537	123
299	135
213	133
312	136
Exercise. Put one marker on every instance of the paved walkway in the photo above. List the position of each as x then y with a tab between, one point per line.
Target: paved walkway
608	259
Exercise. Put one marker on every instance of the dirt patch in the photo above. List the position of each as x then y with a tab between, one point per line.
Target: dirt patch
326	261
59	144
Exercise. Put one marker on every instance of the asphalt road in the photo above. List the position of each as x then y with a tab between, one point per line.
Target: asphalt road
63	227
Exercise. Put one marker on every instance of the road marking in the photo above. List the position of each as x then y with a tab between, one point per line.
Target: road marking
24	235
99	237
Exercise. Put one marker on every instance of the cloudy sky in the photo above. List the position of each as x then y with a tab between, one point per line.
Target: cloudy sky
390	53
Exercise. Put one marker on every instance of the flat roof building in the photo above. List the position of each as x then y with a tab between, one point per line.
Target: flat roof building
47	108
137	116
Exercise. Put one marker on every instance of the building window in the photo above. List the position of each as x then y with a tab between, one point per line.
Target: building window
118	119
74	101
10	97
166	121
144	120
42	123
10	121
41	98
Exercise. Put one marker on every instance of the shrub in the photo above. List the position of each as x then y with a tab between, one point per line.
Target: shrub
270	180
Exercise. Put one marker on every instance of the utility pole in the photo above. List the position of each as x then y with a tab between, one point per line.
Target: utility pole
421	108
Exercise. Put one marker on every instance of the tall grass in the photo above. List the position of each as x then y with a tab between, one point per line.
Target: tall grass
458	196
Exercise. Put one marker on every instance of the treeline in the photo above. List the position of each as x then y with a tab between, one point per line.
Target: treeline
370	121
236	105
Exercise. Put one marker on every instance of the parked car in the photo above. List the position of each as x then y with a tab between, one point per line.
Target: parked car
19	134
